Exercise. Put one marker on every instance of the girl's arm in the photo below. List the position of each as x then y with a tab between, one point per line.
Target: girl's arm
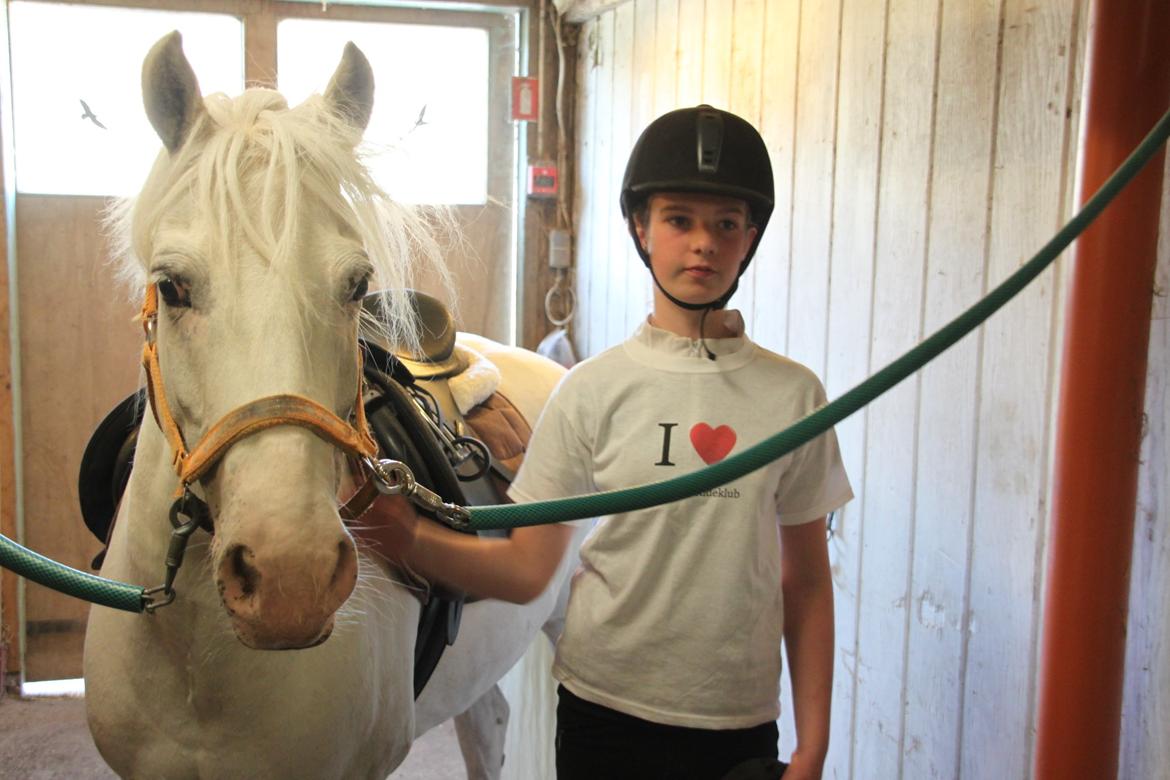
515	569
808	637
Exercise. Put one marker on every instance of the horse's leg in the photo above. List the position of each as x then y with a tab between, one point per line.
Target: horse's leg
481	732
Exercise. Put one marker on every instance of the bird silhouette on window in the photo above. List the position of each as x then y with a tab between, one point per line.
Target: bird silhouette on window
90	115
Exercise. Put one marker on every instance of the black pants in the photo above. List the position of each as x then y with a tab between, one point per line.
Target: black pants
597	743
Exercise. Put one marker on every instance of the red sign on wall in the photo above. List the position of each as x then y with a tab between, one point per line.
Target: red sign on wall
525	99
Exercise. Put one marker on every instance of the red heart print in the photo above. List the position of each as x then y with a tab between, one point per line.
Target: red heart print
712	444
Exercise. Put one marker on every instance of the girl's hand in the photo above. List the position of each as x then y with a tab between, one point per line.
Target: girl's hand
389	528
800	768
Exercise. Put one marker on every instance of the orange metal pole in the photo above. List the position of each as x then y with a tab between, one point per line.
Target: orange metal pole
1101	396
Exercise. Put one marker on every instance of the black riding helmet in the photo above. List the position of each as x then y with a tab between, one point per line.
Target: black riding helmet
700	149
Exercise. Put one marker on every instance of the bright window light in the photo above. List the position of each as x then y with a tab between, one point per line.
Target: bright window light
428	133
80	128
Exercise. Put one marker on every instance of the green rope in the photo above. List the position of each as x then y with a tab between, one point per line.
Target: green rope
808	428
130	597
70	581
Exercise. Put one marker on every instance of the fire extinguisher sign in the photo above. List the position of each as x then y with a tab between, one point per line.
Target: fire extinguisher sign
525	99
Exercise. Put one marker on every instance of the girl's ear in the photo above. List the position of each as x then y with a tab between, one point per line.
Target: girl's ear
640	229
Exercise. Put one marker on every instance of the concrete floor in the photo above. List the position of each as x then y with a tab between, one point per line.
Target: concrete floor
46	739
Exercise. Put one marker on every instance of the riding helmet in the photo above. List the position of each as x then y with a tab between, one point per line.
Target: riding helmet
700	149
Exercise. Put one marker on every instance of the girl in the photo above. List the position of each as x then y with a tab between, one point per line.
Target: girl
670	659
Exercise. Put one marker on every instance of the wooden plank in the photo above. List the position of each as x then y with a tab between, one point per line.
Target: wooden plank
1145	746
690	52
955	278
78	361
900	258
778	127
1016	393
584	196
619	239
850	290
666	55
808	295
717	42
747	53
603	188
646	71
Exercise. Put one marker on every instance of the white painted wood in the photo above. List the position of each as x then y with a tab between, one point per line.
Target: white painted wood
1016	393
690	52
943	489
585	200
938	564
778	128
646	70
717	42
900	257
620	245
1145	744
808	295
602	166
747	51
665	57
847	365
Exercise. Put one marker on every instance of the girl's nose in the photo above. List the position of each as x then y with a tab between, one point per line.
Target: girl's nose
703	241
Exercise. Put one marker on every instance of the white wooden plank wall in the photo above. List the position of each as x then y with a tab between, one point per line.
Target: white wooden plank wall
1145	747
923	149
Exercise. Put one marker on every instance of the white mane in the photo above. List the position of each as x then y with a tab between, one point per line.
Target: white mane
250	164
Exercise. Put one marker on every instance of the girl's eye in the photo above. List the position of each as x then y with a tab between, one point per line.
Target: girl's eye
730	225
678	222
360	288
175	292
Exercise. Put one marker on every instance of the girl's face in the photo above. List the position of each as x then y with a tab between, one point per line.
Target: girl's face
696	242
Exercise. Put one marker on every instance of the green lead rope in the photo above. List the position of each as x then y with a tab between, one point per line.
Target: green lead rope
808	428
133	599
69	581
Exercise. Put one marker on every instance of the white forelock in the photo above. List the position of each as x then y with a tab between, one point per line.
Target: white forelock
255	168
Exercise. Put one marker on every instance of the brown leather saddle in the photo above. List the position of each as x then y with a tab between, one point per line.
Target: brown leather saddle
468	460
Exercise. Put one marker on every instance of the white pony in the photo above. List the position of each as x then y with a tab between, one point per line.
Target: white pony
260	230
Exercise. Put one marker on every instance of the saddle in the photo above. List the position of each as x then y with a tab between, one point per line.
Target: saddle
414	403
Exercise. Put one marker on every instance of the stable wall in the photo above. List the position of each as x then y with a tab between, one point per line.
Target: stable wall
923	150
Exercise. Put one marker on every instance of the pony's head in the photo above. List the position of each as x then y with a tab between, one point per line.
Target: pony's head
262	231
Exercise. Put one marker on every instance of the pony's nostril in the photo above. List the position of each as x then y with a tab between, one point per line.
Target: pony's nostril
346	571
244	576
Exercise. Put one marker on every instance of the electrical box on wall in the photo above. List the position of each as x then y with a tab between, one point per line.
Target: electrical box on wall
542	180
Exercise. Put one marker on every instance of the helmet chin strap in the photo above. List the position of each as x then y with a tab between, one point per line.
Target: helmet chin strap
706	308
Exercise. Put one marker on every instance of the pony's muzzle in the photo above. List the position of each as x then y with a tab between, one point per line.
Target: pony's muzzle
286	603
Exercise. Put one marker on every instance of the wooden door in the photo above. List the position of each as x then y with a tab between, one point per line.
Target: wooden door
79	349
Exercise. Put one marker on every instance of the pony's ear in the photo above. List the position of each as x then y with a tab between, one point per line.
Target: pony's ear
170	91
351	90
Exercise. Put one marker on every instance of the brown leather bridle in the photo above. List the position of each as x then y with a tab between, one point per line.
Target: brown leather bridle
246	420
189	512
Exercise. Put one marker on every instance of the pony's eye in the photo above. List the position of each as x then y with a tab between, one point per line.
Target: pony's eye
175	293
360	288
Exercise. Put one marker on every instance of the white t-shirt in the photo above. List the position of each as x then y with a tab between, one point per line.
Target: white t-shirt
676	613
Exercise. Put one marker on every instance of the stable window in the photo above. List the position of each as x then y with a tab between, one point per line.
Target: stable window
428	136
79	124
